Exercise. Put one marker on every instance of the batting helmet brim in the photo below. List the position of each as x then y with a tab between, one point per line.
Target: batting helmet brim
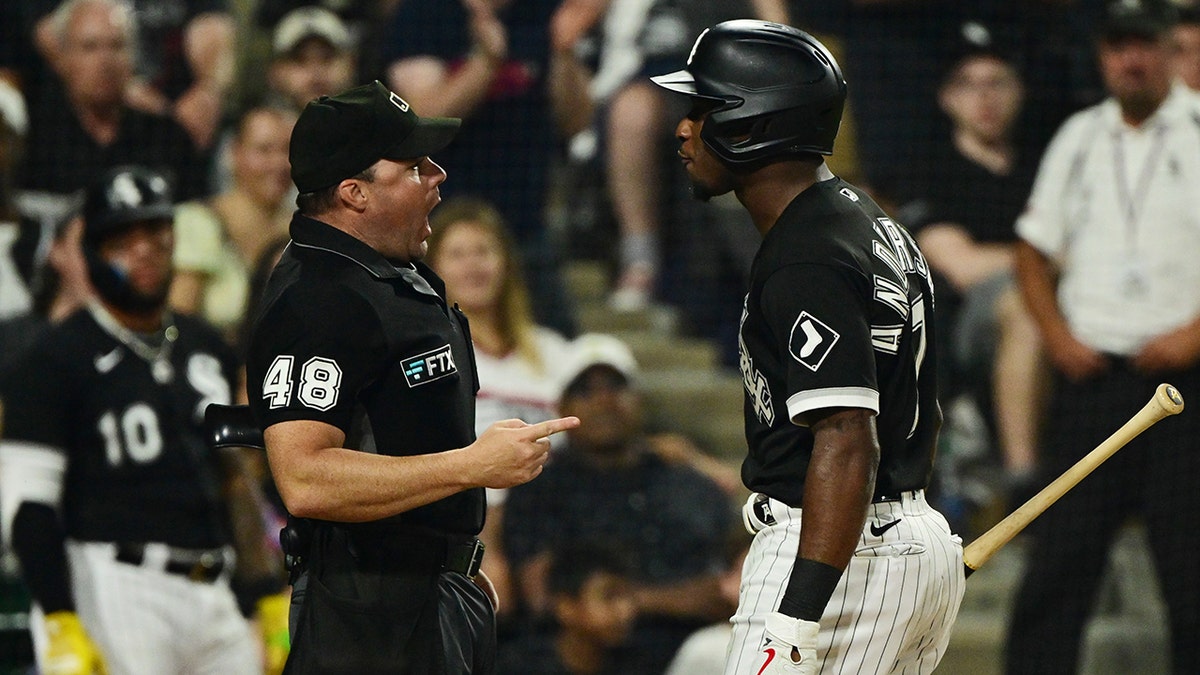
679	81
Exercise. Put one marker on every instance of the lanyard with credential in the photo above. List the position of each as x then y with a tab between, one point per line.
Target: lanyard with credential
1134	280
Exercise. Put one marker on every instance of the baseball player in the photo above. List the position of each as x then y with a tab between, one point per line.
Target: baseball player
112	501
850	570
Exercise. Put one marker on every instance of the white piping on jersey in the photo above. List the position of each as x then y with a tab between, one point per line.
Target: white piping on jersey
29	472
831	397
351	258
414	278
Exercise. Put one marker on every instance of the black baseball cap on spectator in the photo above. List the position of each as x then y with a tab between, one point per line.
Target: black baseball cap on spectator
975	39
340	136
1148	19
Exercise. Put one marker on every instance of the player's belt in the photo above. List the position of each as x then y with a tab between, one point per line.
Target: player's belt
757	513
203	565
897	497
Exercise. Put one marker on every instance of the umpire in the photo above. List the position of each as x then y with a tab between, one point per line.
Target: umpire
363	381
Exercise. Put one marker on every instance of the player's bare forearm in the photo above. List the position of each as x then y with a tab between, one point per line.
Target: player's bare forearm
838	486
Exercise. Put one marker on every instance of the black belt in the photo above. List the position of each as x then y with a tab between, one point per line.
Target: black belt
420	549
198	565
897	497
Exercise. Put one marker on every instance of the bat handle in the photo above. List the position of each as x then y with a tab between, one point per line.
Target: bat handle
1165	402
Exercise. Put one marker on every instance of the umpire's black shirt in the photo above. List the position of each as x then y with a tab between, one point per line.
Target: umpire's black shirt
346	337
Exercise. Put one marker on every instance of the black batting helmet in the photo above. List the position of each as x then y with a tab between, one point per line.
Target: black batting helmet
779	91
124	195
118	199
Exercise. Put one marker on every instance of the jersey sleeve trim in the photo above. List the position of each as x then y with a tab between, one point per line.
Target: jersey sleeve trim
832	397
29	472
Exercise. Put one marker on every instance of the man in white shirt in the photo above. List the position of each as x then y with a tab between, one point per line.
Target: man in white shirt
1108	265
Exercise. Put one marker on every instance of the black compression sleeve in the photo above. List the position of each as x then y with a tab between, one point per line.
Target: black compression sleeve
808	589
38	540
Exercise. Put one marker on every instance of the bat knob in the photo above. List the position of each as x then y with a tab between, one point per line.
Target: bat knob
1170	398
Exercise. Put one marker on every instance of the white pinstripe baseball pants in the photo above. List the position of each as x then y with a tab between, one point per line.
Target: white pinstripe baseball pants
892	610
146	621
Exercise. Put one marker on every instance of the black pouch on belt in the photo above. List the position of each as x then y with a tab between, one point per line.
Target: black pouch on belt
364	613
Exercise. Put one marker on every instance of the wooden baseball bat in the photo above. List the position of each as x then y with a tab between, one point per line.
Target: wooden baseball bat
1166	401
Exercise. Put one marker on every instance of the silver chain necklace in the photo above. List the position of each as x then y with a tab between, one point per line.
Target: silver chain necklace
158	356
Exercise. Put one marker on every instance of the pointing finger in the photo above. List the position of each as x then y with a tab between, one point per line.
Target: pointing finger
551	427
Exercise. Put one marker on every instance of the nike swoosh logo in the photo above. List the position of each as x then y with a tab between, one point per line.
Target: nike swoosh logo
106	362
770	657
878	531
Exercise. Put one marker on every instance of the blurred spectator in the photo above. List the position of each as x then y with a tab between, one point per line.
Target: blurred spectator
219	240
313	55
183	53
367	20
705	651
490	62
639	39
82	124
962	208
472	252
1186	37
1109	239
61	288
894	51
608	484
591	611
186	62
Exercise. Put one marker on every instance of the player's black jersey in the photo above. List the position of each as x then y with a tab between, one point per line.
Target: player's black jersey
839	314
138	467
349	339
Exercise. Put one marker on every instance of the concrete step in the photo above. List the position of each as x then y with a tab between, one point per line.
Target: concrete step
657	352
705	404
586	281
598	317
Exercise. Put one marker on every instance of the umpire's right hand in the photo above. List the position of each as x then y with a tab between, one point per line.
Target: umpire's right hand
512	452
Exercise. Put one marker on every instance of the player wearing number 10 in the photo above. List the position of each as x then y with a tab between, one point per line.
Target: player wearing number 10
841	404
112	500
363	381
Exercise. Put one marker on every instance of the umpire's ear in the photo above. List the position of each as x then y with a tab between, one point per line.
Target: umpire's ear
231	426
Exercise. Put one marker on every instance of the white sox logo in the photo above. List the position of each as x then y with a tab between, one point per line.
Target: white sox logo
811	341
754	382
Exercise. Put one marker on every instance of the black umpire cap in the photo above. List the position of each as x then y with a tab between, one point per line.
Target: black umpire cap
340	136
1147	19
